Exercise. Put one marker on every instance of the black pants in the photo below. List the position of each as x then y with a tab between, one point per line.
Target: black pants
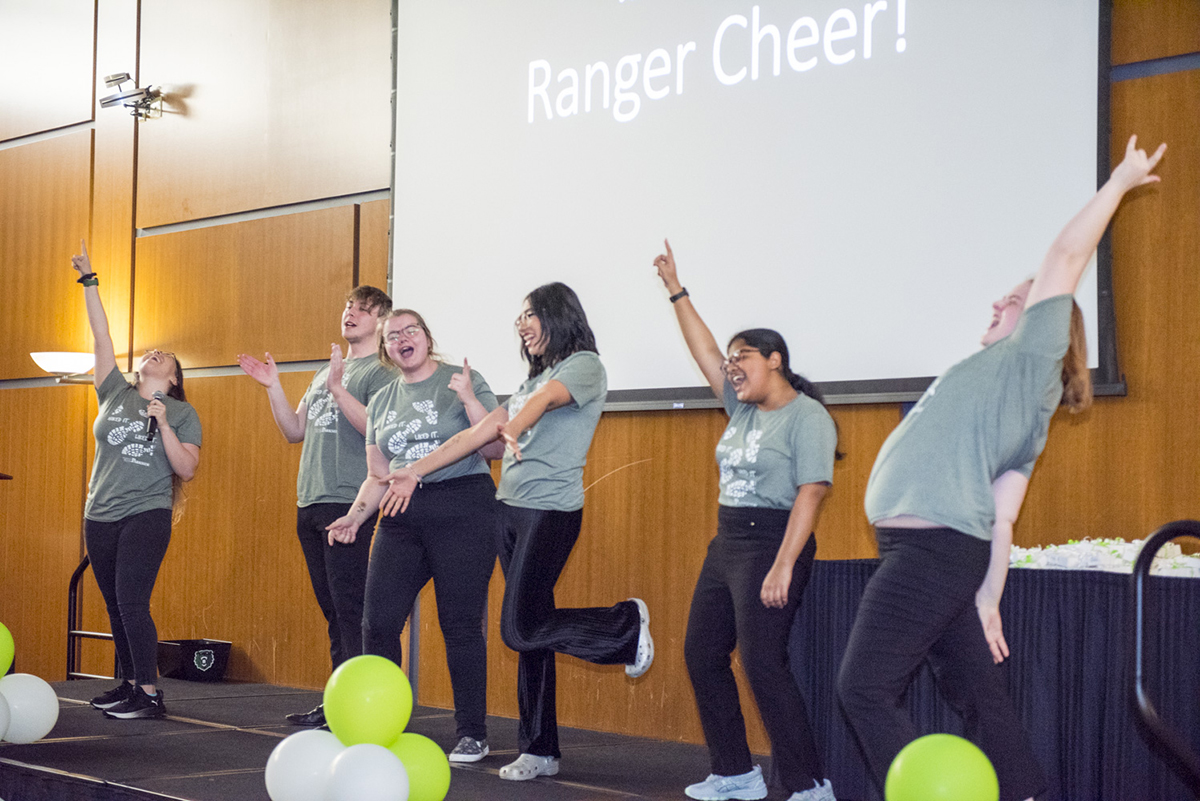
447	534
338	573
727	610
125	557
919	605
534	546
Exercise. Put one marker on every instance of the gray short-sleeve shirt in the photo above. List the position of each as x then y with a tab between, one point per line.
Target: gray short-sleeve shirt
410	421
764	457
554	450
986	415
333	459
131	475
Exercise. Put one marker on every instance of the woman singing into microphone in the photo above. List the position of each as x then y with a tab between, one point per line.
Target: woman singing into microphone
147	444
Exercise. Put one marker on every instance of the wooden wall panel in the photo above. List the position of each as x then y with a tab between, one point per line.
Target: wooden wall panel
45	199
276	284
296	107
111	239
41	513
1146	29
46	60
374	243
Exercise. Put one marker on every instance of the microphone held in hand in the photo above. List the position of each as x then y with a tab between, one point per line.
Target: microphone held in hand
152	423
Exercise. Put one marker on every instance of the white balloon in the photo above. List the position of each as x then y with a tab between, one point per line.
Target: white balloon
368	772
5	717
298	769
32	707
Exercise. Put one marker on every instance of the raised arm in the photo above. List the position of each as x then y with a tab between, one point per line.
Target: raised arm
699	339
106	358
291	423
354	411
1008	492
1071	251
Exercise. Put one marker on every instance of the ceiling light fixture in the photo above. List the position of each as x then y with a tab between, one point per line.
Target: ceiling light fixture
144	103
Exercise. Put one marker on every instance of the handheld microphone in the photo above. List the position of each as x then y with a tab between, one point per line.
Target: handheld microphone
152	423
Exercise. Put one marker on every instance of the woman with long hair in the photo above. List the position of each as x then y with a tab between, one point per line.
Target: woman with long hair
547	427
944	494
776	464
147	444
448	533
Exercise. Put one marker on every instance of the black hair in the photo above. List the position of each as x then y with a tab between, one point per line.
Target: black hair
565	328
767	341
176	390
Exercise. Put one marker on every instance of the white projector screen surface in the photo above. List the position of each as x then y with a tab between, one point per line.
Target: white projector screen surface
864	178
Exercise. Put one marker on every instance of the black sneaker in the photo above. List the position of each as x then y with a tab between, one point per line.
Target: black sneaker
315	717
141	705
122	692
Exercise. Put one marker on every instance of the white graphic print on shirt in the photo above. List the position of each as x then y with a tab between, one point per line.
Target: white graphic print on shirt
423	442
731	457
135	430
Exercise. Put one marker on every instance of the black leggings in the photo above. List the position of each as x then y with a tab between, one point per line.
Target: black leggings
534	546
727	611
125	557
920	604
447	534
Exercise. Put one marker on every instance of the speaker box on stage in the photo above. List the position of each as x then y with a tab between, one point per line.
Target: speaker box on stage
194	660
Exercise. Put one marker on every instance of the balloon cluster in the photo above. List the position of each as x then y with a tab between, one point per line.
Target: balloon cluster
941	767
28	705
366	755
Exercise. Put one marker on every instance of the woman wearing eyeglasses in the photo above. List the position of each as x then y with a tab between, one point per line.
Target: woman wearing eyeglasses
147	445
776	464
447	534
943	496
547	427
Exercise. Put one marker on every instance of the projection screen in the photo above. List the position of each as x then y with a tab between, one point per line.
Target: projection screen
864	178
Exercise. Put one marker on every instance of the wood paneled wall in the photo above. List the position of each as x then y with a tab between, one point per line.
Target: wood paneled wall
1149	29
46	60
296	107
45	200
276	284
42	445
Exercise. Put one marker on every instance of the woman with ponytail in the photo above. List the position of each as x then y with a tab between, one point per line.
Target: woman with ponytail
776	464
147	444
943	496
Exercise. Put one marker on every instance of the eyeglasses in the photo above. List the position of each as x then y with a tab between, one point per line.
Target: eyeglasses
524	317
735	358
409	331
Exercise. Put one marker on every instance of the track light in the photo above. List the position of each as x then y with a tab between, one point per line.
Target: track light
67	366
143	103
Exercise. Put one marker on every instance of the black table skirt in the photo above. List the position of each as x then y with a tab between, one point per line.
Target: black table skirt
1068	674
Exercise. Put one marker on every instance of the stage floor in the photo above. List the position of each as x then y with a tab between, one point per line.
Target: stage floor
214	743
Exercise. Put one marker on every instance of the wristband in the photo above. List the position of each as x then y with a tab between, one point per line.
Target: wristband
420	480
683	293
90	281
87	277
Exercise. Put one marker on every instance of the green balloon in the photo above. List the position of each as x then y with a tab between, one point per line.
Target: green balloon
7	649
941	767
427	766
368	700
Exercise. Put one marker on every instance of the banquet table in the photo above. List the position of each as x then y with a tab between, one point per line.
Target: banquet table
1069	675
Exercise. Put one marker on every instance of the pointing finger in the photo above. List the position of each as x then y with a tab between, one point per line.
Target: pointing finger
668	245
466	367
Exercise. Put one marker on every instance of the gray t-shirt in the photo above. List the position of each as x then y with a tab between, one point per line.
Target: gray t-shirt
986	415
333	459
764	457
554	450
129	474
409	421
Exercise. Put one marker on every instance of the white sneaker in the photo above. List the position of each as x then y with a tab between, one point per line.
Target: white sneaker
528	766
744	787
820	792
645	646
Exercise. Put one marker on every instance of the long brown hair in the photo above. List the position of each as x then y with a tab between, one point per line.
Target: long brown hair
178	493
1076	378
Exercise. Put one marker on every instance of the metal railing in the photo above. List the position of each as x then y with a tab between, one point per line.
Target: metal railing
1170	746
74	635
